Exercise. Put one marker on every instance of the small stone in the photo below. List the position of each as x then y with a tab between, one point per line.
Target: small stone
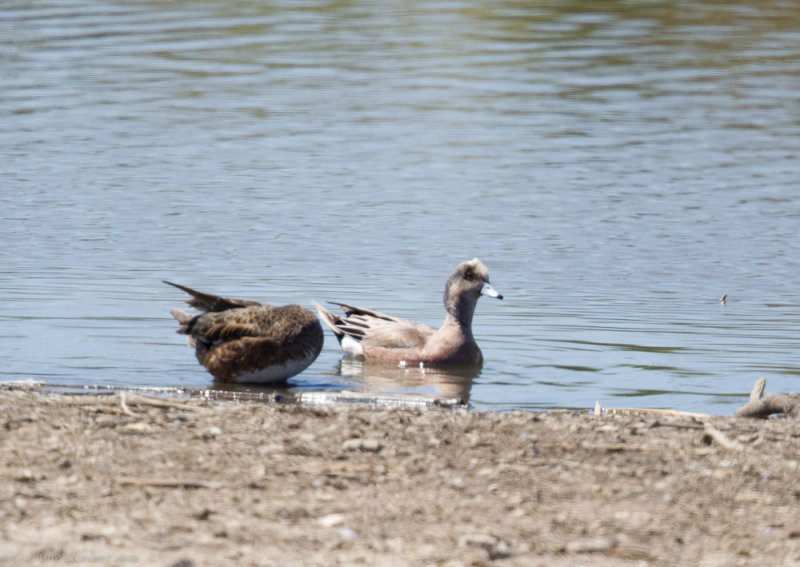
139	427
64	463
296	513
271	449
25	476
485	541
368	445
331	520
500	550
212	432
495	547
347	533
64	480
590	545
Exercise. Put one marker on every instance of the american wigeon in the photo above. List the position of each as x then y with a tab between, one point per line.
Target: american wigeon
247	341
373	335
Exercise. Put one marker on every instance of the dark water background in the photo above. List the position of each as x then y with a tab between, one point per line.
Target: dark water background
618	166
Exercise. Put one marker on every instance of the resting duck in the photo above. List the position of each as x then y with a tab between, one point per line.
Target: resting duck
375	336
247	341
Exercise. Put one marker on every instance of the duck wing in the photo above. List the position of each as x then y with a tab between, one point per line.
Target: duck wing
208	302
374	328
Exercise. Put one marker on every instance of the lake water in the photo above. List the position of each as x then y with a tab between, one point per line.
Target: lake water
618	166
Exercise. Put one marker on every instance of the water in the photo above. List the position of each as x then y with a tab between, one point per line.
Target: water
618	168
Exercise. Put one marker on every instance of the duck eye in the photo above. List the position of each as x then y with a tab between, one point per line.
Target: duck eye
469	276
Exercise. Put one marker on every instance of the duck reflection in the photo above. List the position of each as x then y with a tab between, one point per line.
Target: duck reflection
368	377
383	378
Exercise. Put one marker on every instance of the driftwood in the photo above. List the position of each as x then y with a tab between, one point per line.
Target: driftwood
763	405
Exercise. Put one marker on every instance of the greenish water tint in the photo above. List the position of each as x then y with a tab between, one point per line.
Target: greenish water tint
618	167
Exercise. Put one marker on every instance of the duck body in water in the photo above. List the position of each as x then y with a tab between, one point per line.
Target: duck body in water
377	336
249	342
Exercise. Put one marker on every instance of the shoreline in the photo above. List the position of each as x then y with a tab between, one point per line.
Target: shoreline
129	479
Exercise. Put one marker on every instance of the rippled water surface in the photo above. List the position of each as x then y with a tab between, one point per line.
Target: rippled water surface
618	168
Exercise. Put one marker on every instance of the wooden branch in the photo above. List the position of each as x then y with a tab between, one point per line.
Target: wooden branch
763	405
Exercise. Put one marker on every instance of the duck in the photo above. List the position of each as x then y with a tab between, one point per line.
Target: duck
374	336
248	342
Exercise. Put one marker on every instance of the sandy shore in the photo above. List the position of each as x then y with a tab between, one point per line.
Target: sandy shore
133	480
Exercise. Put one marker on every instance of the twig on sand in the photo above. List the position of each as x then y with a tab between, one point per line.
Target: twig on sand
763	405
654	411
126	399
164	403
722	439
125	409
169	482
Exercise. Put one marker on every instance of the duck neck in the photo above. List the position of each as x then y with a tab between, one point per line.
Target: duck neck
459	314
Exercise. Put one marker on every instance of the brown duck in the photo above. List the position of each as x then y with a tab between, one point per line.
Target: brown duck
375	336
247	341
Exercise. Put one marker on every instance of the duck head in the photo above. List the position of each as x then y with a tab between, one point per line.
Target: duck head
467	282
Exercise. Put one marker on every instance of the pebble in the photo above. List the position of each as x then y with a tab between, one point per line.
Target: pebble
590	545
369	445
137	427
347	533
494	546
25	476
477	540
271	449
212	432
331	520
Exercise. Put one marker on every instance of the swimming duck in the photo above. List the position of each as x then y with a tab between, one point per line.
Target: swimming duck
247	341
375	336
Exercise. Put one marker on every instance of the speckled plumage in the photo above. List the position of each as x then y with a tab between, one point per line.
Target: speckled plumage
247	341
376	336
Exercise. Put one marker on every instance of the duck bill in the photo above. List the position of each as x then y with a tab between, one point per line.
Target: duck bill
490	291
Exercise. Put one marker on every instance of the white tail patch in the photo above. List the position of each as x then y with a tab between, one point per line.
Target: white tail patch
352	346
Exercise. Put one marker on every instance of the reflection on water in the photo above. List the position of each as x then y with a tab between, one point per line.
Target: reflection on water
383	378
618	166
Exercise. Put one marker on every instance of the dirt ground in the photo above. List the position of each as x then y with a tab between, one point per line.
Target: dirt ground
135	480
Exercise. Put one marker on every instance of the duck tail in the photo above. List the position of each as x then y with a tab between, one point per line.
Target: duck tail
184	319
333	321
